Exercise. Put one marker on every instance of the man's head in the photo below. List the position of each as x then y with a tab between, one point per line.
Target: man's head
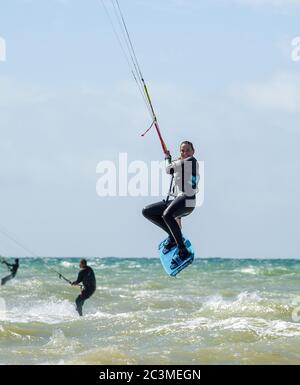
186	149
83	263
17	260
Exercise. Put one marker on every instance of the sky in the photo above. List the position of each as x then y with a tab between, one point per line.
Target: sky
220	73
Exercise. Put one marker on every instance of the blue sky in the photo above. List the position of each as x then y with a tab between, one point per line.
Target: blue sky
220	74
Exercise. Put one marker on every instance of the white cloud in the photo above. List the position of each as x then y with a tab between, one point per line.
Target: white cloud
281	93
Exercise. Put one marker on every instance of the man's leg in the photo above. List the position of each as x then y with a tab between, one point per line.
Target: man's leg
176	209
79	303
6	279
154	214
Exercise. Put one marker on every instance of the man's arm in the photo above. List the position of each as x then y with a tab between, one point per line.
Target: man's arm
79	278
7	264
172	167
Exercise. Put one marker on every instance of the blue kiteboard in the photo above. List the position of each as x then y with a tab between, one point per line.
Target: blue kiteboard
167	258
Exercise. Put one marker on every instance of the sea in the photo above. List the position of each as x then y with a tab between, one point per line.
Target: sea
217	311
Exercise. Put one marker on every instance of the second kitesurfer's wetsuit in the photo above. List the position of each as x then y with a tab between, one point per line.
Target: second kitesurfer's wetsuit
164	214
86	276
13	267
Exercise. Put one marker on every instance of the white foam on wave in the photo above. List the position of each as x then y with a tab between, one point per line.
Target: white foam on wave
58	342
244	302
143	295
47	311
249	270
93	263
264	270
67	264
32	283
259	327
103	315
130	315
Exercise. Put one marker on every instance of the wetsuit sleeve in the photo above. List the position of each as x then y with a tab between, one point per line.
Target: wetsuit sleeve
173	167
8	264
79	278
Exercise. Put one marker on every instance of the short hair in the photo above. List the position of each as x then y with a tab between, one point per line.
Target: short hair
84	262
188	143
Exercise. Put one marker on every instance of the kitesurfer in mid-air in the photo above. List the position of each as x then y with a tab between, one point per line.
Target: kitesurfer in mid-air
13	268
167	214
86	276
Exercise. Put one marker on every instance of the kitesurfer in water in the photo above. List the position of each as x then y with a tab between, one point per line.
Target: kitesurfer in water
86	276
167	214
13	268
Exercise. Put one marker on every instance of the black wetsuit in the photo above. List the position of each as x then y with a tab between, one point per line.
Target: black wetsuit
13	270
164	214
86	276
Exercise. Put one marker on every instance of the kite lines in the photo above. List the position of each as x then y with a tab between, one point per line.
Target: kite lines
117	20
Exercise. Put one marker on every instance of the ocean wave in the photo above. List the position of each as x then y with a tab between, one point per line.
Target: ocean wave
67	264
265	270
58	342
248	270
13	332
104	356
258	327
217	312
49	311
246	303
